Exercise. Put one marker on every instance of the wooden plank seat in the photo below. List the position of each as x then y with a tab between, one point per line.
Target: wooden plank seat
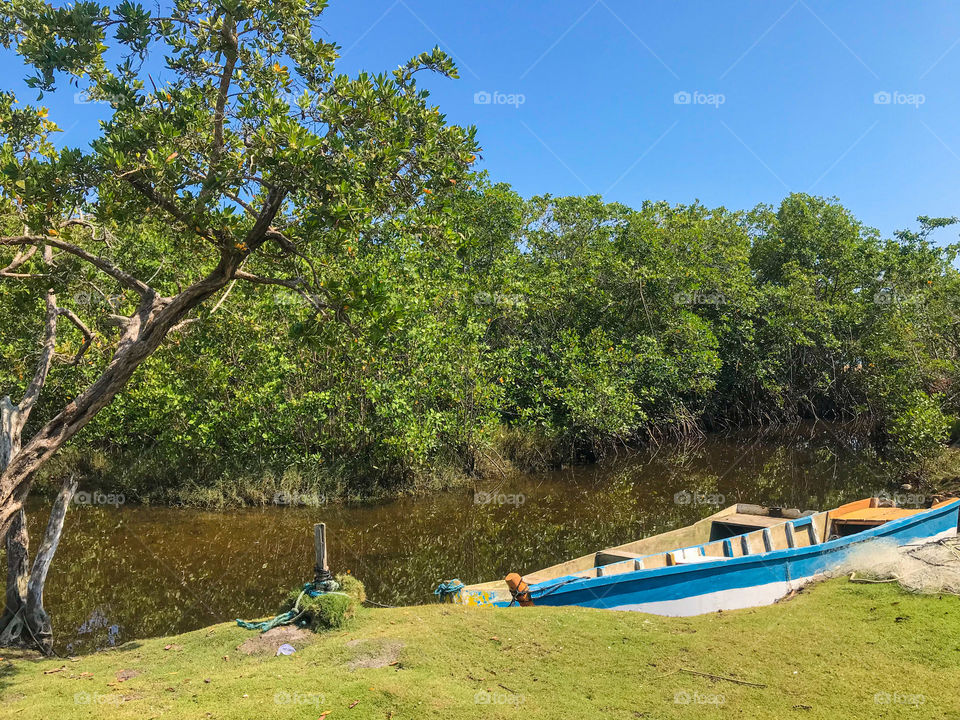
873	515
607	557
750	521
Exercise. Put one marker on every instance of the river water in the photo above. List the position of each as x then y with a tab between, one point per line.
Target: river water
125	572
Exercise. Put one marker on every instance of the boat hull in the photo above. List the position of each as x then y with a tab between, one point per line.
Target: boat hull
734	582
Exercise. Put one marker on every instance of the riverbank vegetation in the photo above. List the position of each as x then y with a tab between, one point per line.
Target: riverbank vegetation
532	333
261	280
314	292
853	651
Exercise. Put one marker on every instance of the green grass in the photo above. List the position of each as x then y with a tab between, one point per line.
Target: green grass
827	653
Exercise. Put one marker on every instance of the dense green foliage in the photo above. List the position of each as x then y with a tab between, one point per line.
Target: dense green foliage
409	320
534	332
234	152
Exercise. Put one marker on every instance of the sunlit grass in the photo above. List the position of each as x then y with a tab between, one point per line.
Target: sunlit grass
840	650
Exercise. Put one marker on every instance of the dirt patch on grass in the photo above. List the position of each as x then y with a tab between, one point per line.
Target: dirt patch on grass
374	653
268	642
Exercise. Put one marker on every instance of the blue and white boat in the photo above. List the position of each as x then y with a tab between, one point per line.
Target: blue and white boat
743	556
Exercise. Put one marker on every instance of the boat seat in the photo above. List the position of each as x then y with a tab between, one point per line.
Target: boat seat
873	516
742	523
607	557
693	560
755	522
682	554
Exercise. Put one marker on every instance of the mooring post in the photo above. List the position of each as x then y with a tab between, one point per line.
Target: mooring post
321	571
320	547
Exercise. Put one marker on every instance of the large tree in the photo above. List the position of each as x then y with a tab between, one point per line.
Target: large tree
233	152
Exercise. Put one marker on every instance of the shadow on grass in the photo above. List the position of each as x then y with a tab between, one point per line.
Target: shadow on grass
14	660
12	663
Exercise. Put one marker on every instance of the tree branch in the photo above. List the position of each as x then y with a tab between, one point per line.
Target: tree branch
247	207
292	283
102	264
259	232
48	546
87	334
150	192
283	241
223	297
228	34
119	320
20	276
43	365
183	324
295	284
18	260
143	334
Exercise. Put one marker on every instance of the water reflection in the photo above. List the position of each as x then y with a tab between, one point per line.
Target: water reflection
132	572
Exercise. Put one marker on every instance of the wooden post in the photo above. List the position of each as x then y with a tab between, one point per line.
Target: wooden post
320	546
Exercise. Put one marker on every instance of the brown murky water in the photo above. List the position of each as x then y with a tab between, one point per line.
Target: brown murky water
125	572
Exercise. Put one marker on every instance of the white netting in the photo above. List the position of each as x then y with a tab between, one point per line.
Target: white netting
923	568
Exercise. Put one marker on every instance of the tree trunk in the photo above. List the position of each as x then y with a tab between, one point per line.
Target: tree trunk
17	570
25	622
17	542
145	330
29	625
9	432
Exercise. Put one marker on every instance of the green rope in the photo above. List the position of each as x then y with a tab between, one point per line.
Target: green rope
282	619
291	616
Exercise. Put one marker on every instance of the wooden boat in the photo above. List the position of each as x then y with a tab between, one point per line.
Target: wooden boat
742	556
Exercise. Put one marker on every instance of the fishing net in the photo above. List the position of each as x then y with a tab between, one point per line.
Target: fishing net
927	568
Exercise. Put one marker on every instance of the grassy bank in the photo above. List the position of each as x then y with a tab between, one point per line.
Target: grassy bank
838	650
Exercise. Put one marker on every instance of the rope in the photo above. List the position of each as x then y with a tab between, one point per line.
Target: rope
540	591
311	589
374	602
448	588
264	625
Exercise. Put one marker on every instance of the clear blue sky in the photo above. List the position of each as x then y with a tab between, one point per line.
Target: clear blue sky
598	83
